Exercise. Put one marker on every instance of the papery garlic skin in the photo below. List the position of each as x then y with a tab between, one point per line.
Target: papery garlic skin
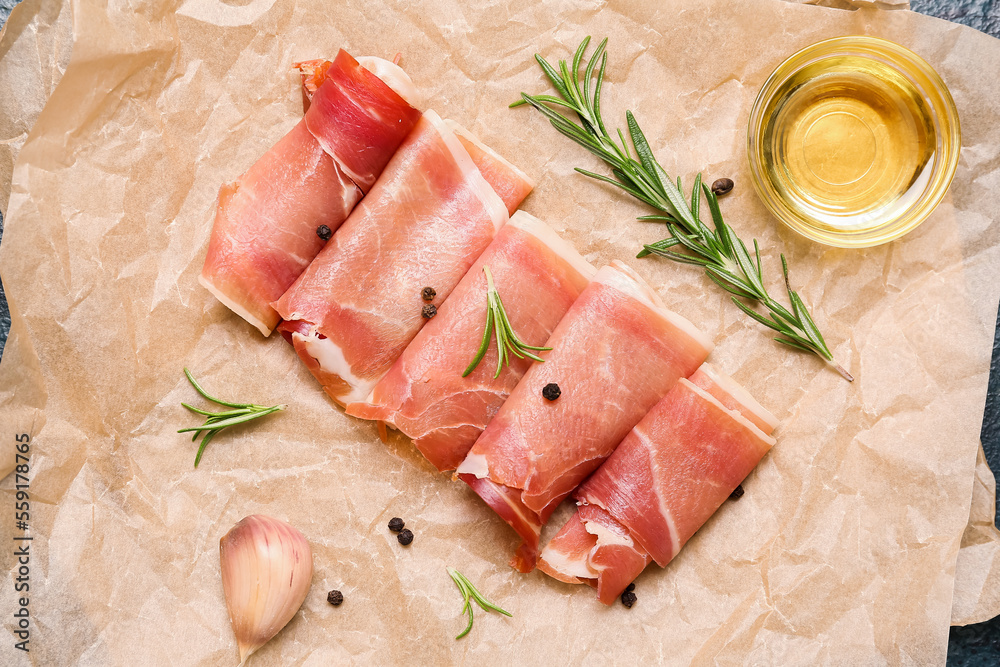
266	571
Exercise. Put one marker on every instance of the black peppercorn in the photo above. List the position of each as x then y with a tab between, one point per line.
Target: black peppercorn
429	311
737	493
722	186
396	524
628	599
324	232
428	293
335	598
405	537
551	391
630	587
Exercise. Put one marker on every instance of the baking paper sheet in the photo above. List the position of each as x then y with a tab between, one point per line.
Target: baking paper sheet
845	545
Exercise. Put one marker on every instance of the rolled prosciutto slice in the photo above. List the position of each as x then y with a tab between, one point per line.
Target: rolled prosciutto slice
353	311
669	475
378	117
617	351
265	229
539	276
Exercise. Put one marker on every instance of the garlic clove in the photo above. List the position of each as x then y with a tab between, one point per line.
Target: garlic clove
266	571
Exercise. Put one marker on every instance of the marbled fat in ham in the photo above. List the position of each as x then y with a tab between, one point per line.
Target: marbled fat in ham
615	354
358	304
538	276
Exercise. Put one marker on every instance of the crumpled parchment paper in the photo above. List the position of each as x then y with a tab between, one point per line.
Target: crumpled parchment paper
845	545
35	46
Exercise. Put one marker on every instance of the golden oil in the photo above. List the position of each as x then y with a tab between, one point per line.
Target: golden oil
850	139
853	141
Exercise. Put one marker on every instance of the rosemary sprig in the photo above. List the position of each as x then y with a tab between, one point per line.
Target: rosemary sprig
241	412
508	344
469	593
725	258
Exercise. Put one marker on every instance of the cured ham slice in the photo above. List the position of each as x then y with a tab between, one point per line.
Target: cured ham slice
378	118
265	229
539	276
356	307
669	475
512	184
617	351
264	233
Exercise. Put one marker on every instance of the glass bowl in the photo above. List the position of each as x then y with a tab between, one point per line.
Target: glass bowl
853	141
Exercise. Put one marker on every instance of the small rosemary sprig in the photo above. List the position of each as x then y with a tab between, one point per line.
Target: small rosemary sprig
508	343
469	593
241	412
725	257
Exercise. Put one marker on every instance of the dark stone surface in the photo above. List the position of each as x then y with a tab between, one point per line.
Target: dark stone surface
982	15
973	645
4	311
5	7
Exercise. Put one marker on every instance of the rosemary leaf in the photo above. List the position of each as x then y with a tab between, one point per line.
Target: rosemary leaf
204	443
197	387
696	198
676	256
618	184
755	315
228	413
649	248
732	289
792	343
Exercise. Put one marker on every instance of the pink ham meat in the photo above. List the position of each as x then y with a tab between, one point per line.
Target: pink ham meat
357	306
617	351
512	184
669	475
264	233
378	118
539	276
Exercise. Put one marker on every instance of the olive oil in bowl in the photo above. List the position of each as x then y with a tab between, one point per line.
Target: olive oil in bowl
852	143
